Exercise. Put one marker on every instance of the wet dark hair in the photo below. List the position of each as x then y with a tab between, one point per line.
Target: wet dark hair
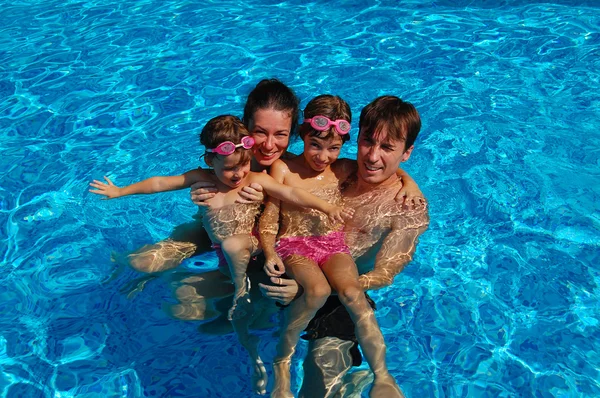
224	128
399	118
331	106
272	94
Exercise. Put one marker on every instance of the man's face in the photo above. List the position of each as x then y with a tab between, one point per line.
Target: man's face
379	157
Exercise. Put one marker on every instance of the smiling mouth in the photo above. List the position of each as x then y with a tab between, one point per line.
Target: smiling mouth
269	154
372	168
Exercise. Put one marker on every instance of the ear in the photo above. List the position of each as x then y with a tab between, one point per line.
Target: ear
209	160
406	154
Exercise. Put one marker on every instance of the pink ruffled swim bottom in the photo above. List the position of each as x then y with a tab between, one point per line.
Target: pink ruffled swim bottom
316	248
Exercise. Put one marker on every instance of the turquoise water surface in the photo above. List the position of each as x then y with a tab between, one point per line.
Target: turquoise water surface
502	298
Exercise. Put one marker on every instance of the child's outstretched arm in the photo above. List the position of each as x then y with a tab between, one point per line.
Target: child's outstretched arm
410	194
302	198
150	185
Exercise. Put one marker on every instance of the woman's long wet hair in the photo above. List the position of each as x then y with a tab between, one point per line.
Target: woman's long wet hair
272	94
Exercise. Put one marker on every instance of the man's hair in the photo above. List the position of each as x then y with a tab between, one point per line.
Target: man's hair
330	106
400	119
272	94
224	128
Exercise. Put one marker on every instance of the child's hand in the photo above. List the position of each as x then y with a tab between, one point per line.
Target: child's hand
340	214
251	193
411	196
109	190
274	266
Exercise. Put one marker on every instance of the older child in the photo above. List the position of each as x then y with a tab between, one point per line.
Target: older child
312	247
229	223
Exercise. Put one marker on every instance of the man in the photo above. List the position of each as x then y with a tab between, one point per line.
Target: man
382	238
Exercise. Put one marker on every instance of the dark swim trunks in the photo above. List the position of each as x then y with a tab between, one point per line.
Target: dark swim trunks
333	320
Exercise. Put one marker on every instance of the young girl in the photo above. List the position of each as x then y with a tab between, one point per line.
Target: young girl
313	248
229	223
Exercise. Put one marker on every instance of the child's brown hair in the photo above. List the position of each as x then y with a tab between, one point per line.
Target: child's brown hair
330	106
224	128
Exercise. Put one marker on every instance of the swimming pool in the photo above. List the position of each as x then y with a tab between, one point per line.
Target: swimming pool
502	297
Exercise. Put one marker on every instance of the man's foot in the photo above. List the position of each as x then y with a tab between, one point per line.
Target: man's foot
385	387
259	378
283	386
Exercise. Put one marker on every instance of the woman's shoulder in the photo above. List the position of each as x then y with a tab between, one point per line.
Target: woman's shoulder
288	156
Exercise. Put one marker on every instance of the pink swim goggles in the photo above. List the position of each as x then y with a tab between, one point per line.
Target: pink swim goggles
227	148
322	123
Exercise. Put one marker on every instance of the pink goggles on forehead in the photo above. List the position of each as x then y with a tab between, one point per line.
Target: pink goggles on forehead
322	123
227	148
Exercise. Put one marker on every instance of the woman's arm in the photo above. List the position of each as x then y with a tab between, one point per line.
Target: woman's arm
150	185
410	194
269	225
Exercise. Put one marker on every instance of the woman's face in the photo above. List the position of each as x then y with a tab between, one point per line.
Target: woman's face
271	132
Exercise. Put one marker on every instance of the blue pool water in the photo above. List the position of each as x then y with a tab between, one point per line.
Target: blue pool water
502	298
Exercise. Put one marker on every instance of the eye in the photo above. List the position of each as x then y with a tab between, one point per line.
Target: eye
335	148
388	148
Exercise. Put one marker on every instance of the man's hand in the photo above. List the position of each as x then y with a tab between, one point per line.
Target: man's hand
283	291
251	193
201	191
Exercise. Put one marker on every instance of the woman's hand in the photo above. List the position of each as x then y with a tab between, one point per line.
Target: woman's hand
283	290
274	266
109	190
411	196
251	193
202	191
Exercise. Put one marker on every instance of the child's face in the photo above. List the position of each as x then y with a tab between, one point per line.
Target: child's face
230	171
320	152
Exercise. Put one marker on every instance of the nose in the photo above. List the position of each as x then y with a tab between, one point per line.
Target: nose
373	155
269	143
323	156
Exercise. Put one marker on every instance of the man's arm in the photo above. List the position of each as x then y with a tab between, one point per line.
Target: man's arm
397	249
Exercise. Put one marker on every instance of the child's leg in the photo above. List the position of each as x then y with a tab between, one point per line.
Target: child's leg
297	316
342	275
186	240
237	250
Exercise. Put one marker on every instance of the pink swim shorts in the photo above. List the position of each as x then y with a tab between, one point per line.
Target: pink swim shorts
316	248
